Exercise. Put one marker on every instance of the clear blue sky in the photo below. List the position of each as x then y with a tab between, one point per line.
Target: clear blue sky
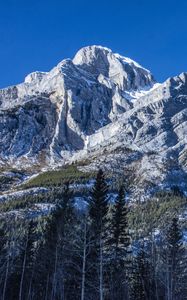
37	34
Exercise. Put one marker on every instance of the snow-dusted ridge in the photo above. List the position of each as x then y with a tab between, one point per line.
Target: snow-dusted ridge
35	76
98	101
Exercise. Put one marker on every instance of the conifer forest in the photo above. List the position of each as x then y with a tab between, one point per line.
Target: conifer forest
106	250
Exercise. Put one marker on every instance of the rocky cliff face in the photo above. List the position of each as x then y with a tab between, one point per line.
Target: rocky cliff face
102	107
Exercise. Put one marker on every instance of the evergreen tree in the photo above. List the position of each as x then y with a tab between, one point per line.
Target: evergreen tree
54	254
15	256
98	206
141	285
98	209
118	248
65	208
174	262
120	239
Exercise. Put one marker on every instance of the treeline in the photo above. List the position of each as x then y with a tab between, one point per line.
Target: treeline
90	254
58	177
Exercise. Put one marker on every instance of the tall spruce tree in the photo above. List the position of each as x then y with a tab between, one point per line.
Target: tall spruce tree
98	209
120	239
16	255
174	261
141	283
118	248
55	251
98	206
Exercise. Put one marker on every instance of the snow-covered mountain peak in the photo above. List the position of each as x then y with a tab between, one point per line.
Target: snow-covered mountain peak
128	60
93	103
183	77
123	71
35	76
90	53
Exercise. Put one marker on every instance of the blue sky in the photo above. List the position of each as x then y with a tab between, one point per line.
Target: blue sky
37	34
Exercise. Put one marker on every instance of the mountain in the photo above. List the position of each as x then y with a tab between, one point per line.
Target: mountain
69	230
100	108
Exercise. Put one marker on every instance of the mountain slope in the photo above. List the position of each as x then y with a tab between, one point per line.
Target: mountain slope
100	107
54	111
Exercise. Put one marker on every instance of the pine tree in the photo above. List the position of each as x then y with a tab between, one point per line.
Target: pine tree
98	206
16	254
174	262
98	209
65	208
120	239
118	248
54	254
141	277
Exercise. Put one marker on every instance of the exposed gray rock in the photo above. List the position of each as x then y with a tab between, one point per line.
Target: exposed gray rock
96	107
55	111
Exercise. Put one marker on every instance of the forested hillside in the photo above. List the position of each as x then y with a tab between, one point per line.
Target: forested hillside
109	248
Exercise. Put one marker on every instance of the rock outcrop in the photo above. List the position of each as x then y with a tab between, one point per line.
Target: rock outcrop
89	108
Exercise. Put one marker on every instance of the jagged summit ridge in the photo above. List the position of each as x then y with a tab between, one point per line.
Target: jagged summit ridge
35	76
88	55
95	102
82	100
123	71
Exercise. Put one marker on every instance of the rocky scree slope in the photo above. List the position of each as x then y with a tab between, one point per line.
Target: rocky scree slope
102	108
